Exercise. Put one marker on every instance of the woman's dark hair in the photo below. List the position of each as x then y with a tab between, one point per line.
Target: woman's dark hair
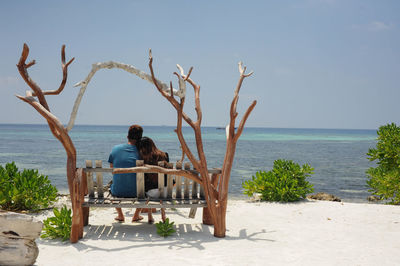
149	152
151	155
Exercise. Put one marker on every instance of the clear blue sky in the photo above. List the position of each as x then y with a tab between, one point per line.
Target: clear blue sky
317	63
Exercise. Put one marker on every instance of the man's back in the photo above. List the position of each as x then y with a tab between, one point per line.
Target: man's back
124	156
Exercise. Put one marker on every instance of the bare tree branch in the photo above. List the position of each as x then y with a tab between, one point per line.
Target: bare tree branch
37	91
52	120
31	63
109	65
22	68
233	113
233	137
180	115
64	67
243	121
201	164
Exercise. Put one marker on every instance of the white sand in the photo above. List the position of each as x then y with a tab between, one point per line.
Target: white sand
305	233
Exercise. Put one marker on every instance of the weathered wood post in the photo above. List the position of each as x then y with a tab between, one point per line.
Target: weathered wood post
178	179
140	181
37	99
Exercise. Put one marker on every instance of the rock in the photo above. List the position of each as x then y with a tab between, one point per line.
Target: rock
17	238
373	198
24	225
324	196
256	197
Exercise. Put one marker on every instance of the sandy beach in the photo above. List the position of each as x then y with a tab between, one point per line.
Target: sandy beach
258	233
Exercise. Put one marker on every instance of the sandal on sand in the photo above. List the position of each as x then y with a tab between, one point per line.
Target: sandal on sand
119	220
137	219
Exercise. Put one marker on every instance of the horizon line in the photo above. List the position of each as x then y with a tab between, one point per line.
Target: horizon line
213	126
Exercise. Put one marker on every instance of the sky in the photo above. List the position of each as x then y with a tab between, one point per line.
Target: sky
316	63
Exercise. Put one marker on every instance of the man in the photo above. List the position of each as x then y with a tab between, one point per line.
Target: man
124	156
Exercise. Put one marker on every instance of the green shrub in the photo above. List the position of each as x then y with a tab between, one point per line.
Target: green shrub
384	180
165	228
58	226
26	190
286	182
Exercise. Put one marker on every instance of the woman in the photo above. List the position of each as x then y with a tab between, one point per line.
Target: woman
151	155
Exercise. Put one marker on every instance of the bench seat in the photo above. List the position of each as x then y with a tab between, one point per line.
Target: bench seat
137	203
178	192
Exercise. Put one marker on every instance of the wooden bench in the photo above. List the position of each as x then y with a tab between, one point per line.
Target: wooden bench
181	192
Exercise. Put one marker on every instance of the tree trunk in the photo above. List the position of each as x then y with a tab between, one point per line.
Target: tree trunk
220	220
77	197
71	172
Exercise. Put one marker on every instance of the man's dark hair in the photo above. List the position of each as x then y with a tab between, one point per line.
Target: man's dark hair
135	132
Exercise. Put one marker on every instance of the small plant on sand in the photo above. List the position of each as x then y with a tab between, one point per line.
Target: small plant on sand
165	228
58	226
384	180
26	190
286	182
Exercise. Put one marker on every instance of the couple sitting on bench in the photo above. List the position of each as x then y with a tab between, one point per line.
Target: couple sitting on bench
124	156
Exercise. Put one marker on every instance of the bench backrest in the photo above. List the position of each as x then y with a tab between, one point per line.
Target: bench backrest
184	188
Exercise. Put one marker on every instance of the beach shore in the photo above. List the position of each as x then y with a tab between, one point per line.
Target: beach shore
304	233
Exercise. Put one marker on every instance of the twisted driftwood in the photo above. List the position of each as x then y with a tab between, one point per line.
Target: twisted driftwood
216	191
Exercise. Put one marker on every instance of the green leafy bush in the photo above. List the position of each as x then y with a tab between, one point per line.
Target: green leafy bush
26	190
286	182
58	226
165	228
384	180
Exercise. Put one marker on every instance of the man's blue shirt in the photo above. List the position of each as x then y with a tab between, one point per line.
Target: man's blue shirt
124	156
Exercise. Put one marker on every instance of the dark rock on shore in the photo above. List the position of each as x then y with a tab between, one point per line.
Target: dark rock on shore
324	196
373	198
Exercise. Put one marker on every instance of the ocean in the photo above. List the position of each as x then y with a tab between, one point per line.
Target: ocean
337	155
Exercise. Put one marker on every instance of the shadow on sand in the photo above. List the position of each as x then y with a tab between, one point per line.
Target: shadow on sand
142	234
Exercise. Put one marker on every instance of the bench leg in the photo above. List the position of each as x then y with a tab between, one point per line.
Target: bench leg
207	217
85	212
77	224
192	212
77	213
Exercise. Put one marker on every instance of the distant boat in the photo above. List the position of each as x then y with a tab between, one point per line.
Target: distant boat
223	128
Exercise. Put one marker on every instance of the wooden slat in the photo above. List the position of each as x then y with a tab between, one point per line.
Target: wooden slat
194	190
202	196
94	170
99	180
178	180
186	184
109	170
89	177
144	204
140	181
193	210
161	180
170	182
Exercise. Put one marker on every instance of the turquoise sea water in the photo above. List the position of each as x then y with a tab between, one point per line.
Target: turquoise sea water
338	156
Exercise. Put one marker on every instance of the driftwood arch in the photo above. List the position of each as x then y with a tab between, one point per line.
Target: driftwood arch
216	191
